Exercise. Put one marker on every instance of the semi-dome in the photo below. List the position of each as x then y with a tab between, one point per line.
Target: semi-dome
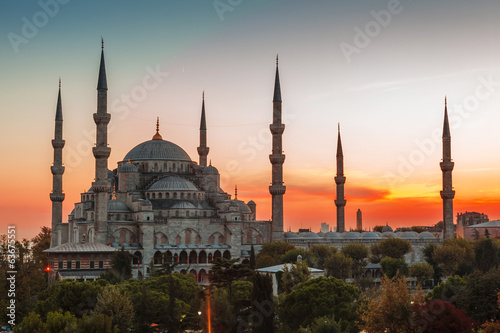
157	150
409	235
389	234
117	206
173	183
128	167
183	205
244	209
290	234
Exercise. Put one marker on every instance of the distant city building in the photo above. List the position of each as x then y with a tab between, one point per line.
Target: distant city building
479	230
359	220
468	219
325	227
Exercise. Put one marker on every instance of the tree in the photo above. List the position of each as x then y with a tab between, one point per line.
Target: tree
391	308
421	271
117	306
395	248
375	253
121	263
439	316
486	253
326	324
264	261
321	252
262	303
97	323
378	228
274	250
292	256
59	322
339	266
252	258
448	290
294	274
317	298
476	234
225	271
449	258
486	233
428	252
358	253
31	323
392	267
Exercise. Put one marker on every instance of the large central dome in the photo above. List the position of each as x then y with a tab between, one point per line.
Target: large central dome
157	149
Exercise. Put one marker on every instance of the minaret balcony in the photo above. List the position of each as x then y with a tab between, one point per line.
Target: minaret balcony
447	165
57	169
100	152
102	118
277	158
203	151
58	144
277	128
447	194
101	186
340	203
339	180
277	189
57	197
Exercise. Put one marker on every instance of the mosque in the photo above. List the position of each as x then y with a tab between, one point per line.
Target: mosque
163	207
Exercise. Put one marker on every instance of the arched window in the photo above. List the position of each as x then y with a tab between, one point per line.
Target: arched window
154	195
183	258
227	255
217	254
168	257
167	195
160	195
175	195
92	262
137	258
202	258
101	261
164	240
174	167
77	262
193	272
158	258
189	196
193	257
202	276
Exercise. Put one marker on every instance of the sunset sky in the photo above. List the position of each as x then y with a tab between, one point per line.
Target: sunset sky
380	68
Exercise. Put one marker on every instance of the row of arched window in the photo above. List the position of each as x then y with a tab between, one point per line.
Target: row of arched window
193	258
164	167
175	195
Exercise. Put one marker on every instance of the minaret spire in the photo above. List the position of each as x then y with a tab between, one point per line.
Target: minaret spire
447	194
235	192
277	158
57	169
340	201
203	149
157	136
101	152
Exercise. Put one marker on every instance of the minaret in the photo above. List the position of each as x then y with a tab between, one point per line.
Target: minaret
57	169
359	220
447	194
101	153
203	149
277	158
340	181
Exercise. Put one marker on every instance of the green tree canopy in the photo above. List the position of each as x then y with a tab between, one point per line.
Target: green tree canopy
422	271
392	267
317	298
339	266
294	274
486	254
449	258
225	271
395	248
274	250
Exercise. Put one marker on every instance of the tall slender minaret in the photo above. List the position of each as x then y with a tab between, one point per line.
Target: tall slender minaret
277	158
101	152
340	181
203	149
447	194
359	220
57	169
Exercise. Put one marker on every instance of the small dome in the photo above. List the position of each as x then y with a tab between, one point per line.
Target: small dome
308	235
389	234
369	235
409	235
290	234
157	150
244	209
333	235
173	183
350	235
426	235
90	190
117	206
251	202
210	170
387	228
128	167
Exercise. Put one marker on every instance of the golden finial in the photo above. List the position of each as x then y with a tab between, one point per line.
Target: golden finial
157	136
114	193
210	162
339	126
445	101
